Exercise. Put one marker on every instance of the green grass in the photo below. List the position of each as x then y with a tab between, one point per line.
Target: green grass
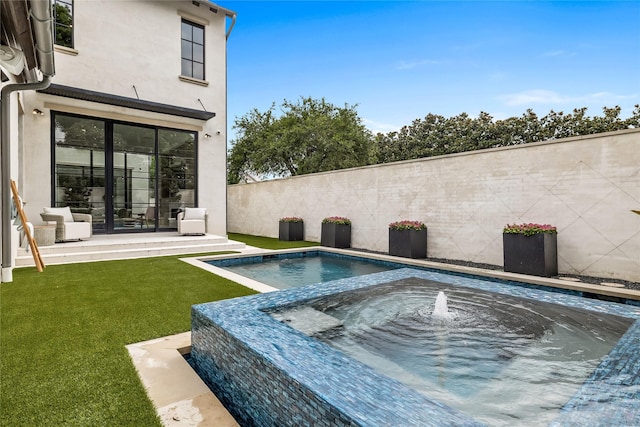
63	334
268	242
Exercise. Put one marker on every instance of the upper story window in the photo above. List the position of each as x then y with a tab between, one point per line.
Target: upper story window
63	17
192	50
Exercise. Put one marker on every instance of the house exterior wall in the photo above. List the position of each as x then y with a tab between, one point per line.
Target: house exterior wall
119	45
585	186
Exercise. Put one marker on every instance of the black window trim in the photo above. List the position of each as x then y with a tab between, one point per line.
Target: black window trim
56	24
204	52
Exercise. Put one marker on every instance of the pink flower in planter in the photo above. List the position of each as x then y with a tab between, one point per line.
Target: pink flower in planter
291	219
340	220
407	225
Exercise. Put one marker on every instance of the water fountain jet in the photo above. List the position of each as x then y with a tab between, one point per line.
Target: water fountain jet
441	309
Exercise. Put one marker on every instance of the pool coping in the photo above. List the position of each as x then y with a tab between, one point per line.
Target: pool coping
566	284
180	397
161	366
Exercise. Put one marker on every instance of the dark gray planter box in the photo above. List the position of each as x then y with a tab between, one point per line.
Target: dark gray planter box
291	231
408	243
336	235
536	255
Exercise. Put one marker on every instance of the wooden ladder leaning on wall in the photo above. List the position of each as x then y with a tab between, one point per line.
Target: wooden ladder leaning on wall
23	218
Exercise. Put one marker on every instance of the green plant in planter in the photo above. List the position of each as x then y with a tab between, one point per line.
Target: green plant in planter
291	228
336	232
408	239
529	229
340	220
291	219
407	225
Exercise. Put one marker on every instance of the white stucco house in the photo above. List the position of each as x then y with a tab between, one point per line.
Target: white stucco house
119	111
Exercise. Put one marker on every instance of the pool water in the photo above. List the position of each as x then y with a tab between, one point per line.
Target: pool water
503	360
266	372
291	272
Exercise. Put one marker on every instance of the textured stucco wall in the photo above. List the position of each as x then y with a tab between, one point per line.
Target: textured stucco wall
585	186
119	46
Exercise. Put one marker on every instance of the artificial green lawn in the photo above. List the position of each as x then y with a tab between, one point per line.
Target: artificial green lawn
63	334
269	243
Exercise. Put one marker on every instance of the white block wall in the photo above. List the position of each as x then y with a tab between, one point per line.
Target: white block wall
585	186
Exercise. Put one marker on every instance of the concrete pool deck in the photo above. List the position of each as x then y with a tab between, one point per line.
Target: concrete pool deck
182	399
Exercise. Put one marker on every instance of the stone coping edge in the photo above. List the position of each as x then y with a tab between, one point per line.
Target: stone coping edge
180	397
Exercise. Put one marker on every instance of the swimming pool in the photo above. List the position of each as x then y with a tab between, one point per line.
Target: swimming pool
292	270
268	373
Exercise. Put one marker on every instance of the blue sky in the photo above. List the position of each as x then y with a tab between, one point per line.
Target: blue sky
400	60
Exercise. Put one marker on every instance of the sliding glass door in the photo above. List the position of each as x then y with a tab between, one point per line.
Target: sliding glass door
79	179
129	177
134	178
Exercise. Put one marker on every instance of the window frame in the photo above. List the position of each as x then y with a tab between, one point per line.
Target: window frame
190	59
184	180
69	4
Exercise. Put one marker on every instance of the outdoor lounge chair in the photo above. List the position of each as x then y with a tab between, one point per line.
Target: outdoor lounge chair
69	226
192	221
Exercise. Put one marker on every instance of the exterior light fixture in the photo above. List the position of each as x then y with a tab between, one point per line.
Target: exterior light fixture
37	112
207	135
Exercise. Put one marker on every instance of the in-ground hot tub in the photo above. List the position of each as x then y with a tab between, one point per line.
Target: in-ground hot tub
268	373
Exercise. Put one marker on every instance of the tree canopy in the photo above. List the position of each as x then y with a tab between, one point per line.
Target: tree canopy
308	136
315	136
436	135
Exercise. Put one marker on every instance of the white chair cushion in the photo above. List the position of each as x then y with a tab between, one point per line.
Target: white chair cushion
194	213
65	212
77	230
192	226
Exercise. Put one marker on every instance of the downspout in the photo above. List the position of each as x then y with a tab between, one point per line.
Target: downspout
41	14
232	15
229	13
43	29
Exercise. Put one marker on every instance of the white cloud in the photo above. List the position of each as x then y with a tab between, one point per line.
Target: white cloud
408	65
558	53
535	96
549	97
378	127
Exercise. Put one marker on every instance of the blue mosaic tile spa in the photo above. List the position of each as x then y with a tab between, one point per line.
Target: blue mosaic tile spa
269	374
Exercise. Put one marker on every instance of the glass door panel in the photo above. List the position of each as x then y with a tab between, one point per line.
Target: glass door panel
80	167
176	175
133	178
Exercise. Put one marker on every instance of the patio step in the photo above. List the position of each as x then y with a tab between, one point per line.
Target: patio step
113	247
